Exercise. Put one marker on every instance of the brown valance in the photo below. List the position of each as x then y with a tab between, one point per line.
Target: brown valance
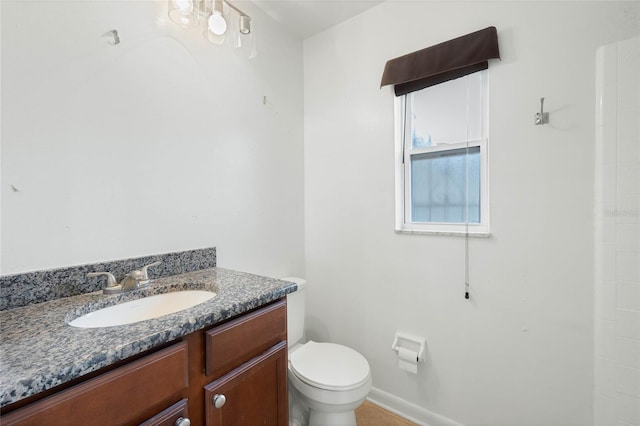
442	62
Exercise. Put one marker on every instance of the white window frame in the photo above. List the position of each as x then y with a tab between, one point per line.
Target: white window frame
403	178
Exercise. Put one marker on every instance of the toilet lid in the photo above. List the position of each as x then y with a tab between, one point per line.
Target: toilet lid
329	366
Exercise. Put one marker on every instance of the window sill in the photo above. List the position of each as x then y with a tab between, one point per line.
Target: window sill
444	233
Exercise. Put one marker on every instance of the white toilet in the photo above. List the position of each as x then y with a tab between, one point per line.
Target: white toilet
327	381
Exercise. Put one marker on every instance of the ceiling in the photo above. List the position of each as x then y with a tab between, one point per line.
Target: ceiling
305	18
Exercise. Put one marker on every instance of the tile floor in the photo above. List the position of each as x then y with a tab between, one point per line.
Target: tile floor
369	414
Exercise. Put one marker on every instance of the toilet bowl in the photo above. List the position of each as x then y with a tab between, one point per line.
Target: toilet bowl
327	381
330	380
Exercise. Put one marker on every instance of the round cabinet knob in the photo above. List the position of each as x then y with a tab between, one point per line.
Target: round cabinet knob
219	400
183	422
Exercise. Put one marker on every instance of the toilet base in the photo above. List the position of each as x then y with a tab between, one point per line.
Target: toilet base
324	418
304	411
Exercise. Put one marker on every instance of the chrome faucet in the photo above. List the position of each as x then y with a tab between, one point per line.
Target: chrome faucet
136	279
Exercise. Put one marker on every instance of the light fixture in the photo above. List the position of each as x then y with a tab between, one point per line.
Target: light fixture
184	7
245	24
220	19
244	20
183	13
216	22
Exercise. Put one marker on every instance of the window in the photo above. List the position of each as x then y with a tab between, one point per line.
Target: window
441	158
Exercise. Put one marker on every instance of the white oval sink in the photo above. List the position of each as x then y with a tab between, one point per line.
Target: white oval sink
143	309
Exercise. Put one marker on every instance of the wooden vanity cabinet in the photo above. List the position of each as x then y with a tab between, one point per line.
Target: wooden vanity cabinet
250	357
127	395
244	359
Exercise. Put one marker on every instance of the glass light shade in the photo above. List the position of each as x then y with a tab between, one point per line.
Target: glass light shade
217	24
214	38
246	45
184	7
181	12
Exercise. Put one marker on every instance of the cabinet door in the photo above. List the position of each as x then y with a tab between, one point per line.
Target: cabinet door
254	393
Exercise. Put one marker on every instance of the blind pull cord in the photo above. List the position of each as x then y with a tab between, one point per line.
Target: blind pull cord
404	126
466	206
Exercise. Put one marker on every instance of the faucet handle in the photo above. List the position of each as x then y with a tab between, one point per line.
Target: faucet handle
111	280
144	269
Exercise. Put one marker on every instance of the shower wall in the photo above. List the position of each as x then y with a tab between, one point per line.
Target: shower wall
617	235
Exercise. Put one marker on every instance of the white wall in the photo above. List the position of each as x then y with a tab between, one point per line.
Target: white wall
617	236
520	352
158	144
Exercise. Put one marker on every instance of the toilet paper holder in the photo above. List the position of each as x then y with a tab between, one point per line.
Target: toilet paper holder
410	342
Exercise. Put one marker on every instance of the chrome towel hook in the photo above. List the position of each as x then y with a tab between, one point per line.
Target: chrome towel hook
114	34
542	117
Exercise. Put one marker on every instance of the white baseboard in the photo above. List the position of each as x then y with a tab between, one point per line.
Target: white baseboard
409	411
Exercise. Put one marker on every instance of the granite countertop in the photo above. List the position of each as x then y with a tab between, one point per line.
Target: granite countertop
39	350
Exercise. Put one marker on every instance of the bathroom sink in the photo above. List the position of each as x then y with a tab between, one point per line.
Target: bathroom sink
143	309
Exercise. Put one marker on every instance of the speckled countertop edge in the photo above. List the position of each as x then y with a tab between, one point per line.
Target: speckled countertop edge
39	350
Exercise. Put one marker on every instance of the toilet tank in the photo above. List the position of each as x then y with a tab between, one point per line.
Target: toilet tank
296	311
